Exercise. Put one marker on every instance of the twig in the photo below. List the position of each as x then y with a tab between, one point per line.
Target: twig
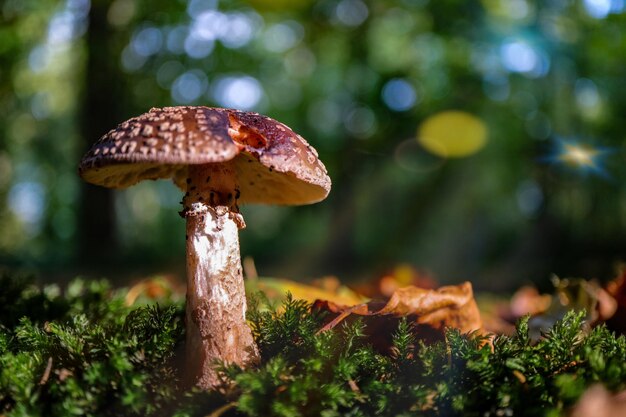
46	373
332	324
353	386
222	409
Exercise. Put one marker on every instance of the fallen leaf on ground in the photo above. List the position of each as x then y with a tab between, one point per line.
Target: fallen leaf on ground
431	311
154	288
617	290
545	310
400	276
327	288
584	294
495	313
598	402
528	300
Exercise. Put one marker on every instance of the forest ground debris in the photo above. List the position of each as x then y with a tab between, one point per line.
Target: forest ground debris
83	351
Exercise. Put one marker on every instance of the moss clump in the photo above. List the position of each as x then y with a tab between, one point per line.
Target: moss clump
83	352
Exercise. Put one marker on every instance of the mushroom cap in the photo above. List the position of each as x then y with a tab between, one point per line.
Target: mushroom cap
273	164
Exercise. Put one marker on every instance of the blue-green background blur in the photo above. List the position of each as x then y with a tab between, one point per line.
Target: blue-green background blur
354	77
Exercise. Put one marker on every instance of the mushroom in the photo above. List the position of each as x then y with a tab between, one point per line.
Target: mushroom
219	158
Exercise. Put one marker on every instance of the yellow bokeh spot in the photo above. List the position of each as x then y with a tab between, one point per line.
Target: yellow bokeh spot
452	134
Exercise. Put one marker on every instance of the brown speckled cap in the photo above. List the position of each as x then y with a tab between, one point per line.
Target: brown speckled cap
274	165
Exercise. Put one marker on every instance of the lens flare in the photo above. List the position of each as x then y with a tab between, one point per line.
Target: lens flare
580	157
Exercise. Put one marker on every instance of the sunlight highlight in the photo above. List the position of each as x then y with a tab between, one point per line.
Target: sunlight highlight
578	155
581	157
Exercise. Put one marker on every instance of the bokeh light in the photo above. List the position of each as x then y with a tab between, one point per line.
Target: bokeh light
204	30
168	72
67	25
239	92
197	47
39	58
196	7
510	9
579	157
600	9
280	5
597	8
209	25
233	30
176	36
412	157
147	41
360	122
452	134
324	116
121	12
522	57
240	30
351	12
282	36
189	87
399	95
356	78
529	198
27	201
131	60
588	99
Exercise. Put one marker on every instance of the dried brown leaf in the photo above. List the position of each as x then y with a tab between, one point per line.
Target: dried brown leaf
431	311
599	402
617	290
528	300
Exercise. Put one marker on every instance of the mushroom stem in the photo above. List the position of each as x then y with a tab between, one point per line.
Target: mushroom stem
216	299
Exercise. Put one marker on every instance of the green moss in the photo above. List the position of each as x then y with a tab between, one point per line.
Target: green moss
83	352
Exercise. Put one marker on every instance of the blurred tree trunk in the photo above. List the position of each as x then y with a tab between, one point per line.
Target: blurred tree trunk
101	111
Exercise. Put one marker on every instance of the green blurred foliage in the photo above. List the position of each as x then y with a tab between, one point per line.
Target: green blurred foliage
356	79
